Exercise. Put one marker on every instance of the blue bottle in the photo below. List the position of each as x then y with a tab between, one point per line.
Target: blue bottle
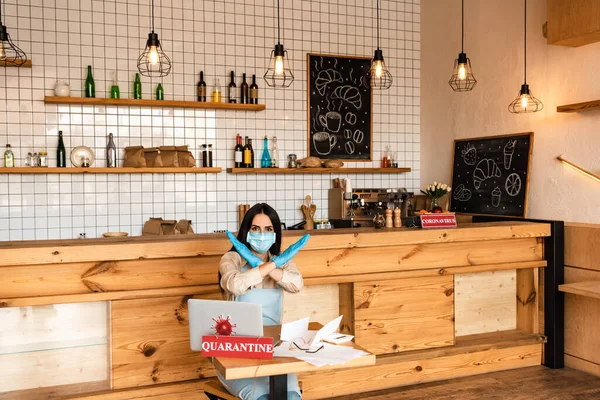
265	160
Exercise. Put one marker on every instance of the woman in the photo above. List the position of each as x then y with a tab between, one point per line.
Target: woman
255	271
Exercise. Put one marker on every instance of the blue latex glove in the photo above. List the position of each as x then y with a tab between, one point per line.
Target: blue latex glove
291	251
244	251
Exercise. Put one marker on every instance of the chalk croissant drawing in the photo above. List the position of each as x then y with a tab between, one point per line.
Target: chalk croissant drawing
325	78
486	168
349	94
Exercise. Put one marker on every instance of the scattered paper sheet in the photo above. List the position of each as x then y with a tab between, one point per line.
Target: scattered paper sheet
329	328
329	355
294	330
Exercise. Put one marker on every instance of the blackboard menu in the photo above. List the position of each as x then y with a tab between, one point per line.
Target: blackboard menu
339	107
491	175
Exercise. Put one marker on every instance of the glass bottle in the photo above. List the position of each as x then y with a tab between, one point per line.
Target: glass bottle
251	153
265	160
28	159
111	153
274	154
35	160
61	153
210	156
247	154
231	89
160	92
253	91
9	157
216	94
202	88
238	152
244	91
90	86
115	93
385	160
204	156
137	87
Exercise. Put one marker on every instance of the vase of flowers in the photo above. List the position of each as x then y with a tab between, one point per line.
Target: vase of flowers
435	192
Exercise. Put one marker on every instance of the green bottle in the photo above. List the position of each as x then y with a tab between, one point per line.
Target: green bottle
90	86
160	93
115	93
137	87
61	153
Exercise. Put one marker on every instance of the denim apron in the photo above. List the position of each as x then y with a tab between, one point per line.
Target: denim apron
271	301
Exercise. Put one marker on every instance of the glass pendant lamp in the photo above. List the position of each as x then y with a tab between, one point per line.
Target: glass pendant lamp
462	79
525	101
153	62
379	76
279	73
10	53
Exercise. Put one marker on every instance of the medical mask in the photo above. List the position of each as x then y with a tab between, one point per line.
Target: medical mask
261	242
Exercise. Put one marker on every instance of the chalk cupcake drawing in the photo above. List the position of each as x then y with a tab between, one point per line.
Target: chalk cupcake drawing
469	154
509	150
486	168
513	184
496	195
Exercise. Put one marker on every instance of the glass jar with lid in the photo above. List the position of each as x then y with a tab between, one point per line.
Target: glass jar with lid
292	161
43	159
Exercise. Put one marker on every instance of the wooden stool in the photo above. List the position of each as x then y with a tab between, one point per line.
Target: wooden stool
215	391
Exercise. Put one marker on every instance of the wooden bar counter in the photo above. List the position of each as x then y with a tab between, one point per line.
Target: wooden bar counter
432	304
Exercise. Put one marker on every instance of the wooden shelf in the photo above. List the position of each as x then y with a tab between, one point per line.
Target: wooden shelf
152	103
317	170
7	63
585	288
585	106
73	170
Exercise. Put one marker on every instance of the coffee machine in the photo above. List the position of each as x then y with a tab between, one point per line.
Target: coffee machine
359	207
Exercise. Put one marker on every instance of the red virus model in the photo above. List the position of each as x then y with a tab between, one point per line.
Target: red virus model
223	326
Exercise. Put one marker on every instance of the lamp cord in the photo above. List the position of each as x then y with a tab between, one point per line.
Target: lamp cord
278	27
377	24
462	47
152	16
525	36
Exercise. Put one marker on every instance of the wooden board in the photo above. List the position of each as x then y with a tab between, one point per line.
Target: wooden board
403	315
393	374
346	302
152	103
584	106
99	170
317	170
491	175
182	389
582	365
582	245
573	23
585	288
150	343
320	303
527	300
485	302
339	107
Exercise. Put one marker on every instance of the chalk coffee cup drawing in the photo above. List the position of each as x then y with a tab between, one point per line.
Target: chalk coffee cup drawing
332	121
324	142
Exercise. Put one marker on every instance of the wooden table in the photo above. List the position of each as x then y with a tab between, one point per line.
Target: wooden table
278	368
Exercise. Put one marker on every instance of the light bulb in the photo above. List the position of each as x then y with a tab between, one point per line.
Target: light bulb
2	52
153	56
524	101
462	71
378	68
279	65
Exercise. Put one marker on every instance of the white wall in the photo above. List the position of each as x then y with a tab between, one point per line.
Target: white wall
557	76
63	36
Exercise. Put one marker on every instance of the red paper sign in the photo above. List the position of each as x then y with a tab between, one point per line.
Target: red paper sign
438	220
237	347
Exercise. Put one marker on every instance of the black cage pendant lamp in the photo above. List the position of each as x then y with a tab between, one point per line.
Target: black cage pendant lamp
153	61
525	101
279	73
10	53
379	76
462	79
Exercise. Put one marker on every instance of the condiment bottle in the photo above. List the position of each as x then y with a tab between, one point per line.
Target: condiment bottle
204	156
388	218
9	157
216	95
111	153
397	219
274	154
43	158
28	160
384	160
210	156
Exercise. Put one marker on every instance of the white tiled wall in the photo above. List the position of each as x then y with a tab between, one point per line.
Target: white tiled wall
62	37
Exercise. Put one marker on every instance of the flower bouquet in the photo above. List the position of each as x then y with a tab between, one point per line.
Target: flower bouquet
435	192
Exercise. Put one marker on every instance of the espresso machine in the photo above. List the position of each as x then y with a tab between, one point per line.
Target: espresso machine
359	207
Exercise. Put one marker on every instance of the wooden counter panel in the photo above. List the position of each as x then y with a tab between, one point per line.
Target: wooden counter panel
416	257
151	342
582	245
403	315
107	276
150	247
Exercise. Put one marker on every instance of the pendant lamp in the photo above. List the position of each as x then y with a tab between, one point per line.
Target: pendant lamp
10	53
279	73
462	79
525	101
379	76
153	61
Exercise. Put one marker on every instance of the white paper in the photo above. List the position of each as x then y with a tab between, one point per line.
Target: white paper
329	328
294	330
329	355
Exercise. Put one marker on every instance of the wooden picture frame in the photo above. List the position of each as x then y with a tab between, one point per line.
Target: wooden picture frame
340	108
503	174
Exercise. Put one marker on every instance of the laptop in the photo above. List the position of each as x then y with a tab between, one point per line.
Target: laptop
215	317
